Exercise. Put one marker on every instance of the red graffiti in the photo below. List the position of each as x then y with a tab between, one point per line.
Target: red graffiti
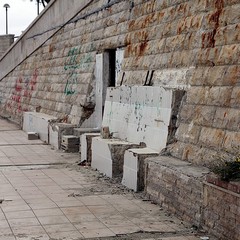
18	85
23	88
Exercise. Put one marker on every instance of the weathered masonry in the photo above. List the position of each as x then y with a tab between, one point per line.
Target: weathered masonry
5	42
65	62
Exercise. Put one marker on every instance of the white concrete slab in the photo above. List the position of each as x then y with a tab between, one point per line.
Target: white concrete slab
37	122
139	114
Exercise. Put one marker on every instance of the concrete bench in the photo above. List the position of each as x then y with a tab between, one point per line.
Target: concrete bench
137	117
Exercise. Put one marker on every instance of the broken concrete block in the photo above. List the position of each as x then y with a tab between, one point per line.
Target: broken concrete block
108	155
57	130
70	143
134	167
32	136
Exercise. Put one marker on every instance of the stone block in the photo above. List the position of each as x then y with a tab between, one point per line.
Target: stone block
227	118
134	167
188	133
211	137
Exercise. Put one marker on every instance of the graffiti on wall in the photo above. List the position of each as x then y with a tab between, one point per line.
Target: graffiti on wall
22	93
73	63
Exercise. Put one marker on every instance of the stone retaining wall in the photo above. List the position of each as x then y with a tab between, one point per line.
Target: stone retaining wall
176	44
194	196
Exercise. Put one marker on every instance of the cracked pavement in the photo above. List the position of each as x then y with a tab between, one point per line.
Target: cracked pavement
45	195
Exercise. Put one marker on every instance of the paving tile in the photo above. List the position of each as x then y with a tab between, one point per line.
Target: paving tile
78	218
75	210
69	203
155	226
43	205
102	210
48	212
94	233
33	237
73	235
20	214
116	221
7	237
28	230
93	201
14	208
66	227
5	231
131	228
90	225
3	223
22	222
48	220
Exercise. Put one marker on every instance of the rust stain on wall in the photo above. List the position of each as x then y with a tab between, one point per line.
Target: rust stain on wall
208	39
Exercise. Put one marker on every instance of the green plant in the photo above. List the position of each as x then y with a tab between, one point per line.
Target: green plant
227	166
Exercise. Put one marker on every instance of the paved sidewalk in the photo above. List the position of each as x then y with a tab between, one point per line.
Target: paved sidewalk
45	195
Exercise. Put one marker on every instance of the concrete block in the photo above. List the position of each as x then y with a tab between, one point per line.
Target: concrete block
86	146
32	136
37	122
70	143
57	130
108	155
134	167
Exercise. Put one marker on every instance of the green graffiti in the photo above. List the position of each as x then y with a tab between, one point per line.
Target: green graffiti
72	63
70	87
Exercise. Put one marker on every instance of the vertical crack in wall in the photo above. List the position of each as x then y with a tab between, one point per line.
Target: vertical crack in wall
178	97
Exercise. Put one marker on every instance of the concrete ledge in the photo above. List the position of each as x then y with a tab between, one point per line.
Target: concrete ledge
108	155
134	167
